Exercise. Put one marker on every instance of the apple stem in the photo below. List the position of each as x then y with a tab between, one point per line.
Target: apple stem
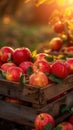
42	118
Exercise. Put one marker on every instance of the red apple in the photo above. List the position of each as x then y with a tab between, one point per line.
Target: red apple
41	56
14	74
38	79
71	119
25	65
59	27
7	49
6	66
68	50
42	66
56	44
66	126
69	62
12	100
42	120
21	54
6	53
59	69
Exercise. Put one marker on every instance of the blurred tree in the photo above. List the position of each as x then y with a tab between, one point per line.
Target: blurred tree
9	7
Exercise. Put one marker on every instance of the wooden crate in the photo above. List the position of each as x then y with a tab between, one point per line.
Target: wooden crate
36	95
35	100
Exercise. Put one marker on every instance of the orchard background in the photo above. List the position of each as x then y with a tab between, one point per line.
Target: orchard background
31	23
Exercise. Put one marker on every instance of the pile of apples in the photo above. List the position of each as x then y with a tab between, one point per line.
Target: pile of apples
40	69
45	121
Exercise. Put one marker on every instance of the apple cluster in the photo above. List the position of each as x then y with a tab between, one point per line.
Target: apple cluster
38	70
45	121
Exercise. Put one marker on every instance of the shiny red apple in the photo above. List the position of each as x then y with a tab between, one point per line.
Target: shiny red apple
21	54
25	65
6	53
6	66
59	69
14	74
42	66
41	56
42	120
39	79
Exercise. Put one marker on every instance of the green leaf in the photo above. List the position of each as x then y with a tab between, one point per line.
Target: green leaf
46	73
58	128
2	74
22	79
64	108
55	78
49	58
48	127
29	71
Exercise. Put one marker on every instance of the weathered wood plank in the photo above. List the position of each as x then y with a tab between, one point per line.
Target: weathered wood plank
17	113
54	107
54	90
35	94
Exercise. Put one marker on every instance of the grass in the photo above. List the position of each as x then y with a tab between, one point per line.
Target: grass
16	35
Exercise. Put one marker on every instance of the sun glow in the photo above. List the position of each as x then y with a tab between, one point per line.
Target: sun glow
70	1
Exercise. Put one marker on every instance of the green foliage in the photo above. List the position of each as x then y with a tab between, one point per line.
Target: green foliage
48	127
29	71
55	78
58	128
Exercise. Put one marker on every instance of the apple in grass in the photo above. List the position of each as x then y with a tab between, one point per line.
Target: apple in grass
39	79
59	27
14	74
60	69
42	66
65	126
56	44
42	120
21	54
6	53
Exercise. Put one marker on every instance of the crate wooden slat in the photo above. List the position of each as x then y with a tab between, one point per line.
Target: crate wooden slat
25	115
35	94
17	113
47	99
